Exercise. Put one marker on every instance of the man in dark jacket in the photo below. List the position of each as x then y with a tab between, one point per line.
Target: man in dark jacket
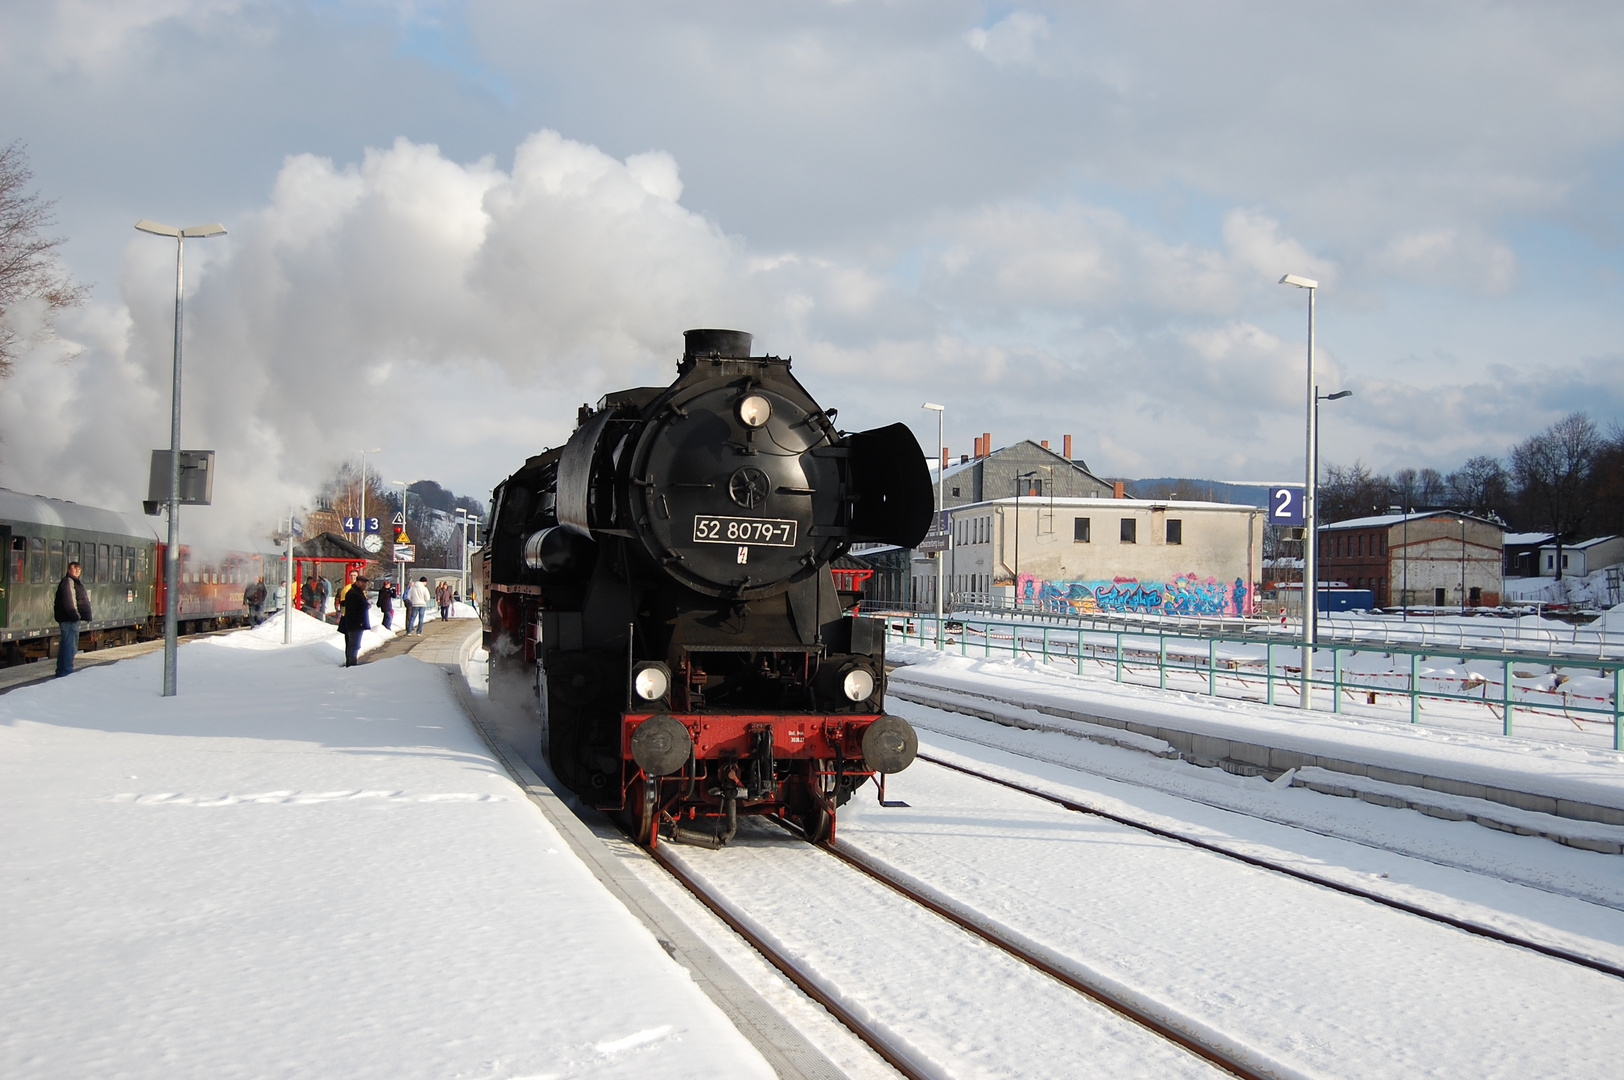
352	618
72	608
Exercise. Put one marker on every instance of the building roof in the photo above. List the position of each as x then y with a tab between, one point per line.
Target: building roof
1580	545
1106	502
1517	539
1397	519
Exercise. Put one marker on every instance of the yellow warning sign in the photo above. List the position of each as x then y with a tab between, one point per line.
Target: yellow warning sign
402	538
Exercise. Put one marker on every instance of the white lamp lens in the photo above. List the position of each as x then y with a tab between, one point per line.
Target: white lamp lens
650	683
859	685
754	410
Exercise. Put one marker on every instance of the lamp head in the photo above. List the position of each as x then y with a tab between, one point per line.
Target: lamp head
1300	282
933	407
1339	395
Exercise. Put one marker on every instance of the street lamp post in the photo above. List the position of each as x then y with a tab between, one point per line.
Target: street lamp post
1310	523
1318	397
1020	480
363	522
940	411
172	551
403	520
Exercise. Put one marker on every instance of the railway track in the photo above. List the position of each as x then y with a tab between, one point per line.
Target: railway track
909	1060
1374	897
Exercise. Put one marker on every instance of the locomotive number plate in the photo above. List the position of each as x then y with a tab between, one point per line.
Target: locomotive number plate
772	532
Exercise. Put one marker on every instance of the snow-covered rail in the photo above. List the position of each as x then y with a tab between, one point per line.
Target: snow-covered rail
1387	901
892	1028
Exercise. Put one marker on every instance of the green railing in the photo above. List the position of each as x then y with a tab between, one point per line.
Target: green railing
1356	678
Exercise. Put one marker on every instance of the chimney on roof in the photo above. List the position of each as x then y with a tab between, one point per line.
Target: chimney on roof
1119	490
1067	444
978	446
1045	444
986	444
945	456
964	459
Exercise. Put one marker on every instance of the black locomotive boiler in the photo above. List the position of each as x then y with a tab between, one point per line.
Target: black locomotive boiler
663	582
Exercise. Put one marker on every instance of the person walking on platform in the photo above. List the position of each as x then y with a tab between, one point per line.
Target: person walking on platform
253	598
442	596
72	608
352	616
386	603
417	599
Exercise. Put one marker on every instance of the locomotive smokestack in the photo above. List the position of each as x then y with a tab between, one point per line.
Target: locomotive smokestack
728	344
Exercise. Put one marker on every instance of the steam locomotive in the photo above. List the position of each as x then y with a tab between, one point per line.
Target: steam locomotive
662	583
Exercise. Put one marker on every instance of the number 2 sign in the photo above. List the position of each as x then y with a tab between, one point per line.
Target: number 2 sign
1286	506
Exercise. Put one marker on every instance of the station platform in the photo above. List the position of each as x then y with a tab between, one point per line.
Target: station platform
1571	795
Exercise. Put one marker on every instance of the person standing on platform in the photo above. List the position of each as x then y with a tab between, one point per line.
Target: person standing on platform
310	597
72	608
281	594
352	616
442	596
386	603
417	599
326	598
253	598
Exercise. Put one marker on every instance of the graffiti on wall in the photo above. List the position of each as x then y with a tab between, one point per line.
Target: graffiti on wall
1183	595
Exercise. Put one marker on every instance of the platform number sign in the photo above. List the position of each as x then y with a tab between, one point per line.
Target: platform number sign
1286	506
353	524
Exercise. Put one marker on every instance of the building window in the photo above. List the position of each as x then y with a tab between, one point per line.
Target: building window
1130	530
1439	597
1175	531
1476	596
955	493
1079	530
1564	562
1550	562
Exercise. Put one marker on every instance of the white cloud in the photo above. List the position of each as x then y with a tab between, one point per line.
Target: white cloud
1012	40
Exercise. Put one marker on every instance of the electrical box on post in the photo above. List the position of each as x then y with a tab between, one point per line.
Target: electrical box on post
196	480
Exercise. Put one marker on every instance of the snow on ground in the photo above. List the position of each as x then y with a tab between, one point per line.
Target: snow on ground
294	869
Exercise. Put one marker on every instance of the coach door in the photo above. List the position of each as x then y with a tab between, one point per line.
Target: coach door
11	572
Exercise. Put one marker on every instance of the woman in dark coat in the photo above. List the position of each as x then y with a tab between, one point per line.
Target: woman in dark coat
352	618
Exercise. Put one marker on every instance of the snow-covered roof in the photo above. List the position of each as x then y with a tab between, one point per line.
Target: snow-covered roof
1396	519
41	510
1513	539
1582	544
1108	501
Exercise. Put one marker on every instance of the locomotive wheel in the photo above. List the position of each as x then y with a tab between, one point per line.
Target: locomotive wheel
644	808
818	822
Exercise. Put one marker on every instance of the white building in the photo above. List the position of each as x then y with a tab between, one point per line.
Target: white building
1585	557
1106	554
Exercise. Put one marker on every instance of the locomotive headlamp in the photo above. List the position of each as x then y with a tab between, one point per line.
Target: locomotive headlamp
858	685
651	681
754	410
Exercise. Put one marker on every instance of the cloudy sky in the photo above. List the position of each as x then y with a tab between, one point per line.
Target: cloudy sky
451	223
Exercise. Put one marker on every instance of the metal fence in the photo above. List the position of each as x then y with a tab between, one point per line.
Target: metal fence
1369	678
1423	630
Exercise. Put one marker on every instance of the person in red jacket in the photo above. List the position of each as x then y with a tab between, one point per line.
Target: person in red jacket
72	608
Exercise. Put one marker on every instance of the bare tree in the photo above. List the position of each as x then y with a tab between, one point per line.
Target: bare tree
1480	486
1554	471
1351	491
28	265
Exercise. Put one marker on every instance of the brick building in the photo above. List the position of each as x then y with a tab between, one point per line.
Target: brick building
1429	559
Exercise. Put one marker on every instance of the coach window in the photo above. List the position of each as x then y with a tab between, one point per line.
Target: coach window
101	566
36	559
90	564
118	564
1175	531
19	559
129	564
58	566
1130	530
1079	530
75	556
